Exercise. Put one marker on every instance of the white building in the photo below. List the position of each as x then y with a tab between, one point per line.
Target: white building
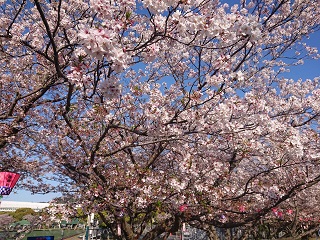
11	206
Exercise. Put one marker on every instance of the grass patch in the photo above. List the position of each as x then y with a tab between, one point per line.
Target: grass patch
57	233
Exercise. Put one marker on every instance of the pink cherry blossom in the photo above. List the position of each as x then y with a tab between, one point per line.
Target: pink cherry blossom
135	108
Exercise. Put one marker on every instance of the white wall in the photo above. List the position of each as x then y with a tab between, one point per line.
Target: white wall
11	206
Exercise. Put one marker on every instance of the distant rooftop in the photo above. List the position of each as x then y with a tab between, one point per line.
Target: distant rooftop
11	206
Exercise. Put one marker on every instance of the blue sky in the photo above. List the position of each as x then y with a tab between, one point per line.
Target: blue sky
26	196
310	70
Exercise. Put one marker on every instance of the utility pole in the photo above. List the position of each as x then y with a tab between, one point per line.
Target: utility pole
90	222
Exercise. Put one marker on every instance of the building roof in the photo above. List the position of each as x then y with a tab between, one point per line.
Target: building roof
23	222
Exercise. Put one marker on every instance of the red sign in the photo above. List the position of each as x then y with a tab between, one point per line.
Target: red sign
7	181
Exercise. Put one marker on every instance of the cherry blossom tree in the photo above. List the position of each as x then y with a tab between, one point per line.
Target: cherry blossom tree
155	113
5	220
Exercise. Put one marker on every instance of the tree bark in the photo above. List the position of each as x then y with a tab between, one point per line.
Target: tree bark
212	233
